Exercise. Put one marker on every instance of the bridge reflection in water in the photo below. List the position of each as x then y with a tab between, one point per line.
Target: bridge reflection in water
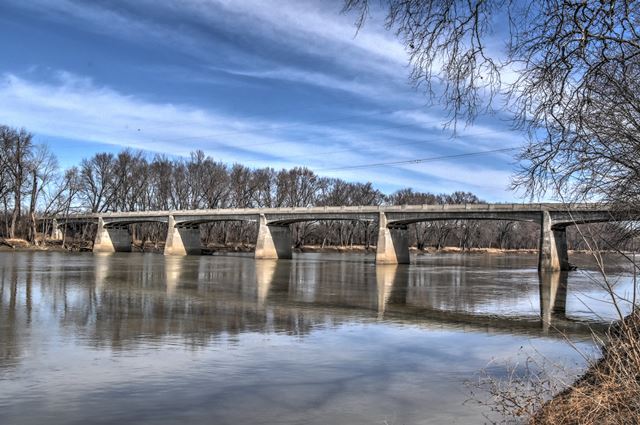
553	297
126	336
117	299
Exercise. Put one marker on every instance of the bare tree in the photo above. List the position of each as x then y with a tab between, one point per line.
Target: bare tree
446	43
97	181
505	229
17	145
42	168
573	73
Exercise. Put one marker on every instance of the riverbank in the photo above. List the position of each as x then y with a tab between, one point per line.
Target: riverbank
609	391
8	245
23	245
13	245
138	246
414	250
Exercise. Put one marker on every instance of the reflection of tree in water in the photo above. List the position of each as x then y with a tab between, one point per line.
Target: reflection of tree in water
10	315
120	301
195	300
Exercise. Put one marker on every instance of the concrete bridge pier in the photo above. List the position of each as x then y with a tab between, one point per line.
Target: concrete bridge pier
112	239
182	240
393	243
274	241
553	255
56	231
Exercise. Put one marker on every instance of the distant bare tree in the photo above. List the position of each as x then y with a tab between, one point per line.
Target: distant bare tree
97	181
131	181
17	146
505	229
43	169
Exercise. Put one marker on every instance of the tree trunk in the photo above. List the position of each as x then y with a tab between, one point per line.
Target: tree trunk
15	215
33	231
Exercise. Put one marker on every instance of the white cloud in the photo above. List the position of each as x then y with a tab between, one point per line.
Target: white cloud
490	136
356	86
73	107
306	27
76	108
317	27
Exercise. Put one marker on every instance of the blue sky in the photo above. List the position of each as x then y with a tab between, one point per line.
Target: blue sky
263	83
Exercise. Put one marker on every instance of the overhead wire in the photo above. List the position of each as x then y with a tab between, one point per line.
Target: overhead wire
418	161
414	161
413	142
250	145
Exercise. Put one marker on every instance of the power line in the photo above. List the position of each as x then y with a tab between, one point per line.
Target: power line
393	145
418	161
379	129
375	130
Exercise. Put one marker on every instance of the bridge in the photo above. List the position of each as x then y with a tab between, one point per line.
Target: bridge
274	233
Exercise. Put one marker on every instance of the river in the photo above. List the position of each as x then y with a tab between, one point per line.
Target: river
320	339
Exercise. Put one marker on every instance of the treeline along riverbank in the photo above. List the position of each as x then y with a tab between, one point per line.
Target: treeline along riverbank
33	184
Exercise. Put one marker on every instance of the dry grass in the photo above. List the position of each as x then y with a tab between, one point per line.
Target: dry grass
609	391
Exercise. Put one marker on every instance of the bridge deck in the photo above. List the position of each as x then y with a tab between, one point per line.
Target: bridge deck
350	210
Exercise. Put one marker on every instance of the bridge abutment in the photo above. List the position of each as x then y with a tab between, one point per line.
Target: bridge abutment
274	242
182	240
393	243
112	239
554	255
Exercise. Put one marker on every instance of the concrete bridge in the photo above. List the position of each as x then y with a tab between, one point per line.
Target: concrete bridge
274	233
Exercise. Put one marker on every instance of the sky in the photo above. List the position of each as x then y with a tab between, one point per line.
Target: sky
262	83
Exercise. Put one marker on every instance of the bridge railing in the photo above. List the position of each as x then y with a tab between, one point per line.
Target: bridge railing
345	209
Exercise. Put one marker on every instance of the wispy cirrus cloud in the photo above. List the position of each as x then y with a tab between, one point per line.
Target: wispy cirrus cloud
266	83
256	36
74	107
356	86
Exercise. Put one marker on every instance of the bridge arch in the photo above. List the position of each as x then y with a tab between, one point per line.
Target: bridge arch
557	225
193	223
403	219
121	223
287	222
67	221
183	233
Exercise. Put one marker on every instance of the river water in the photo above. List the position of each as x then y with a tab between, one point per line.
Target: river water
320	339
